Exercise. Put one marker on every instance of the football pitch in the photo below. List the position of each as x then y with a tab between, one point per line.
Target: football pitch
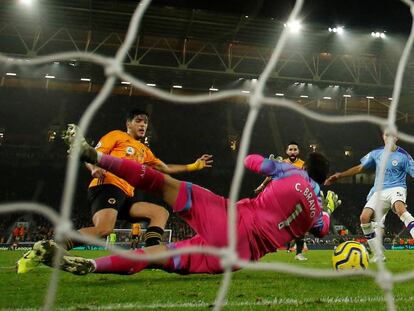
250	290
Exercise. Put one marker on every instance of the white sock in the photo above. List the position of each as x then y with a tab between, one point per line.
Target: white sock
408	221
369	232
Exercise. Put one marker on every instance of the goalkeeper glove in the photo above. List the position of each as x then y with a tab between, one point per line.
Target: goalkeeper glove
330	202
277	159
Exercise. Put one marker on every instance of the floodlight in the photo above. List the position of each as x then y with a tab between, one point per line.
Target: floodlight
26	2
378	34
294	26
338	29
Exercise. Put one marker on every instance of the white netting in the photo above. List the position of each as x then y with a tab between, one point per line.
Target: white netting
114	69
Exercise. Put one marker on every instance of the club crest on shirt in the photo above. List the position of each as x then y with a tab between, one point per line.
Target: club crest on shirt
394	162
130	150
112	201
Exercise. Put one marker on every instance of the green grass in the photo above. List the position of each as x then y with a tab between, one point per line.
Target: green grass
249	290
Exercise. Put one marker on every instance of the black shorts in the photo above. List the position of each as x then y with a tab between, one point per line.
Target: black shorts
110	196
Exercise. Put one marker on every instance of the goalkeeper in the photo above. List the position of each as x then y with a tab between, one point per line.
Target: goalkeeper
290	207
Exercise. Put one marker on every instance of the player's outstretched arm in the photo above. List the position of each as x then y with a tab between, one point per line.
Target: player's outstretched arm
205	161
260	165
349	172
263	185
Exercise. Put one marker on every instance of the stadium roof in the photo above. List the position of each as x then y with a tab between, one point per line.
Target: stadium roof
229	38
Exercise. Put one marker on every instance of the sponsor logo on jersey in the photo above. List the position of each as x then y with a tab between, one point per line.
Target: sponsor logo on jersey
130	150
112	201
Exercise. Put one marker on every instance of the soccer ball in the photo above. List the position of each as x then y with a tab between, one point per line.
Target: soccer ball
350	255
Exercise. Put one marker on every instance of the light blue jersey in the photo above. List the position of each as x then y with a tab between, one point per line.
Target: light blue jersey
398	165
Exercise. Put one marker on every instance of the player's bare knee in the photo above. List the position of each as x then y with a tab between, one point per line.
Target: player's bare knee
366	215
164	214
399	208
158	212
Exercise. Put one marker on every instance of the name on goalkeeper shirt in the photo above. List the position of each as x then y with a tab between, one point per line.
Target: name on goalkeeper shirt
308	194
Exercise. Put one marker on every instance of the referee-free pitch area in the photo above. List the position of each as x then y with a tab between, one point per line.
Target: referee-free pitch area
158	290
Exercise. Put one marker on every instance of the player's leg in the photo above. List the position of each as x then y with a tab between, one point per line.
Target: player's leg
104	223
368	228
300	243
157	216
117	264
367	216
106	201
398	198
288	246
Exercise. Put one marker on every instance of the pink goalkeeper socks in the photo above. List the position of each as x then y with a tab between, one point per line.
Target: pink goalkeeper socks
117	264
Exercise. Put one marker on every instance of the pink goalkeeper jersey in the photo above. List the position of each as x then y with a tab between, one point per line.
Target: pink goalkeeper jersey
286	209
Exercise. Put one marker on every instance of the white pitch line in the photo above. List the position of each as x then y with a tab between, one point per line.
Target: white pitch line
287	301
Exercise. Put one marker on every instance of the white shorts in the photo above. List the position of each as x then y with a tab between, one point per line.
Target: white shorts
387	198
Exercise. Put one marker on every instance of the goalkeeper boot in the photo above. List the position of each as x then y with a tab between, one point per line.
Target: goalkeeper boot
27	263
88	153
76	265
46	250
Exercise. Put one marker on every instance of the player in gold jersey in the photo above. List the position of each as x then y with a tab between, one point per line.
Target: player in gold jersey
112	198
